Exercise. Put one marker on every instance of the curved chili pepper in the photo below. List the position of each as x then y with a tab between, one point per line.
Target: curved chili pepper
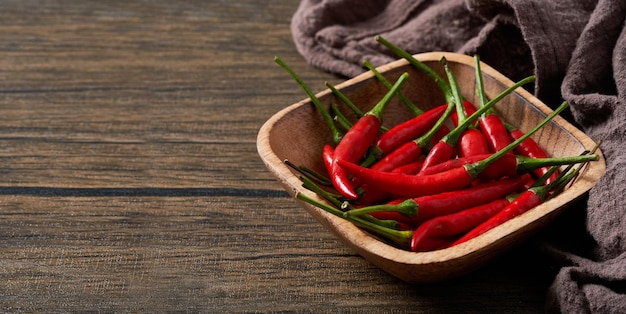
411	185
328	156
518	163
454	224
357	141
339	178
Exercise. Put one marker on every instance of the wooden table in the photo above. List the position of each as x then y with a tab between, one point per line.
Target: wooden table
131	180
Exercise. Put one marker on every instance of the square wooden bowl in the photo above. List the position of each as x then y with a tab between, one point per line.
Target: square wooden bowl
297	133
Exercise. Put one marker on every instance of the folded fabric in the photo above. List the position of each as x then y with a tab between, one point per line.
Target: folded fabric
576	49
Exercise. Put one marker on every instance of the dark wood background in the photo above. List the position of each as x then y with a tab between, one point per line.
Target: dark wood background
130	179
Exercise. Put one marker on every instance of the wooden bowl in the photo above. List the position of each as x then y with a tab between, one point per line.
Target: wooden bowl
297	134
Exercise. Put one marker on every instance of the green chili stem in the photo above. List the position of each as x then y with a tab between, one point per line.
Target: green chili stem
332	198
525	164
407	208
480	87
341	120
309	173
358	112
456	93
441	83
335	199
401	238
382	104
325	114
561	181
407	102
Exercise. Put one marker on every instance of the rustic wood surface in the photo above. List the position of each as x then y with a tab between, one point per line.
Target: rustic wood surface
131	180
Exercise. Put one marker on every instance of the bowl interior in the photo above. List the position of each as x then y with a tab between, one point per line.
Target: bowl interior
297	133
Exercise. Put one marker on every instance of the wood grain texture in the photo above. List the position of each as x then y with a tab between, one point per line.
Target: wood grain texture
131	180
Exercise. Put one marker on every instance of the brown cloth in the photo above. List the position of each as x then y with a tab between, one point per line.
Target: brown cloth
576	49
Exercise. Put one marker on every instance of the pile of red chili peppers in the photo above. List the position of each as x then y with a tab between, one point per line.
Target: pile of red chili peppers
440	178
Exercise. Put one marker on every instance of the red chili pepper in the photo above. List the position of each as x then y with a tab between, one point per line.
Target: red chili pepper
439	153
471	142
411	185
339	178
530	148
357	141
521	164
446	203
461	168
408	130
368	195
454	224
490	123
